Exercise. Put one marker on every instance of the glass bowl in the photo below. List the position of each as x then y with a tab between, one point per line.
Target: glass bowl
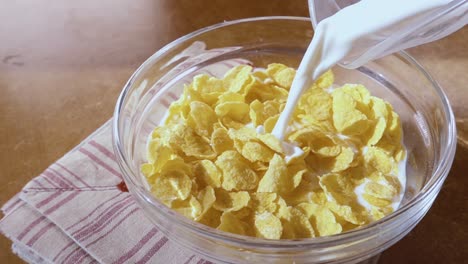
428	125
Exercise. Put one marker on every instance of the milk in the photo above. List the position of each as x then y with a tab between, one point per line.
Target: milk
348	32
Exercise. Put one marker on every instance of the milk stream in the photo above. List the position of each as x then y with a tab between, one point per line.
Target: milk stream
350	31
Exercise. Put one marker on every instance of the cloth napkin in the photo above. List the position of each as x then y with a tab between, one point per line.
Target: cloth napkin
79	211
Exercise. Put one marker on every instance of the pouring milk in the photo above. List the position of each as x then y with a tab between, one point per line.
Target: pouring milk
355	30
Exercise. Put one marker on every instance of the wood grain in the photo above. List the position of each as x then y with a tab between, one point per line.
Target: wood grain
63	64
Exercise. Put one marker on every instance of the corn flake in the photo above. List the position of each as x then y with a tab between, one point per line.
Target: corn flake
215	160
237	78
231	201
237	111
255	151
220	140
237	174
267	225
230	223
322	219
378	159
346	118
281	74
207	174
264	202
172	185
201	118
277	179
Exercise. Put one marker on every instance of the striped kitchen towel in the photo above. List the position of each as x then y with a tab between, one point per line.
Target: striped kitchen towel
78	209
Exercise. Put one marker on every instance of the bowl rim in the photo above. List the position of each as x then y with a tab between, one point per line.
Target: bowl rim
436	180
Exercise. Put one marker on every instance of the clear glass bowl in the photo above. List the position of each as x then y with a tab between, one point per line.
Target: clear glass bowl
428	124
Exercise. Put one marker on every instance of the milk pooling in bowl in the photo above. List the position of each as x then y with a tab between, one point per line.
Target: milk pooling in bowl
354	32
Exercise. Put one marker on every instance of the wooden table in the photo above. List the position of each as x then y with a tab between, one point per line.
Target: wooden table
63	64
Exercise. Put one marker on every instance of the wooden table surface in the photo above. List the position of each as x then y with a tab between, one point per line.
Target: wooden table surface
63	64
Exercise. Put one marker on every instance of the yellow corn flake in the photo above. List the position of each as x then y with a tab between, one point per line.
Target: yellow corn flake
260	75
254	151
319	197
215	160
211	218
274	68
306	191
245	214
230	97
375	200
325	80
237	174
260	112
268	226
243	134
195	206
346	118
379	107
377	132
272	142
277	179
206	89
184	139
201	118
260	167
265	92
318	142
343	200
394	128
393	183
237	78
359	93
322	219
205	84
172	185
178	110
207	198
272	108
207	174
281	74
378	159
230	223
175	164
300	226
159	154
230	201
379	212
190	208
264	202
347	213
296	171
343	160
256	113
270	123
147	169
338	187
386	192
282	209
317	104
237	111
220	141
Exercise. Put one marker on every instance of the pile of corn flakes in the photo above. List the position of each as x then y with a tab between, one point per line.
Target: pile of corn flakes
215	161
